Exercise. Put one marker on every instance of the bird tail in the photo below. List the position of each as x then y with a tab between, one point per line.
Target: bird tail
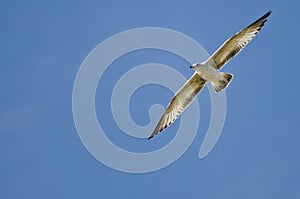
223	82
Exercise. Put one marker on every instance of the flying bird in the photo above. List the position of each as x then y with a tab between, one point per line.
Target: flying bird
208	71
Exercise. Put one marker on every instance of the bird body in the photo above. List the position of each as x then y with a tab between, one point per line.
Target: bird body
208	71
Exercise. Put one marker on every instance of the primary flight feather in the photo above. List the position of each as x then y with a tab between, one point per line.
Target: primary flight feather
208	71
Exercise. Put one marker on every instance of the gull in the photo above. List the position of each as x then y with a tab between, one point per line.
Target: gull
208	71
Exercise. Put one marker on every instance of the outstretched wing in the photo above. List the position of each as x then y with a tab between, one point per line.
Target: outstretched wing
235	44
180	102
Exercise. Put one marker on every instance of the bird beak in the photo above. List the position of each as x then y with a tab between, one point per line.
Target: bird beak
192	67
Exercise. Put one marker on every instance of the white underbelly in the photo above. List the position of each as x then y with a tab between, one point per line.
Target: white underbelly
209	73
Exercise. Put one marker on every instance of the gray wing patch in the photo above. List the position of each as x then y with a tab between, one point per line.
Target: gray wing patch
236	43
182	99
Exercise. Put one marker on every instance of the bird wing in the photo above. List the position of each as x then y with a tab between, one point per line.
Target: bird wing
236	43
182	99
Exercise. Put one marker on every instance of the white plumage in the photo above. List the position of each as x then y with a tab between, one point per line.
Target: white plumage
208	71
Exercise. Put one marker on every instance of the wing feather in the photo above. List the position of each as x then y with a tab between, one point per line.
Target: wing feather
182	99
236	43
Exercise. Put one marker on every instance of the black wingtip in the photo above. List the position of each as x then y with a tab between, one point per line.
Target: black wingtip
262	19
267	14
150	137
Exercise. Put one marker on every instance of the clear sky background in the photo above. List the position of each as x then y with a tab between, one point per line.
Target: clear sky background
42	47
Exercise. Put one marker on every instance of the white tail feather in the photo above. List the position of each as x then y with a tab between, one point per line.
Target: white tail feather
223	82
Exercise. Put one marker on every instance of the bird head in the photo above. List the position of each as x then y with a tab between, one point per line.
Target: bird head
194	66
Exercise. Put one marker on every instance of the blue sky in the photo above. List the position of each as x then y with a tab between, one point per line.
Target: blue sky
43	46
